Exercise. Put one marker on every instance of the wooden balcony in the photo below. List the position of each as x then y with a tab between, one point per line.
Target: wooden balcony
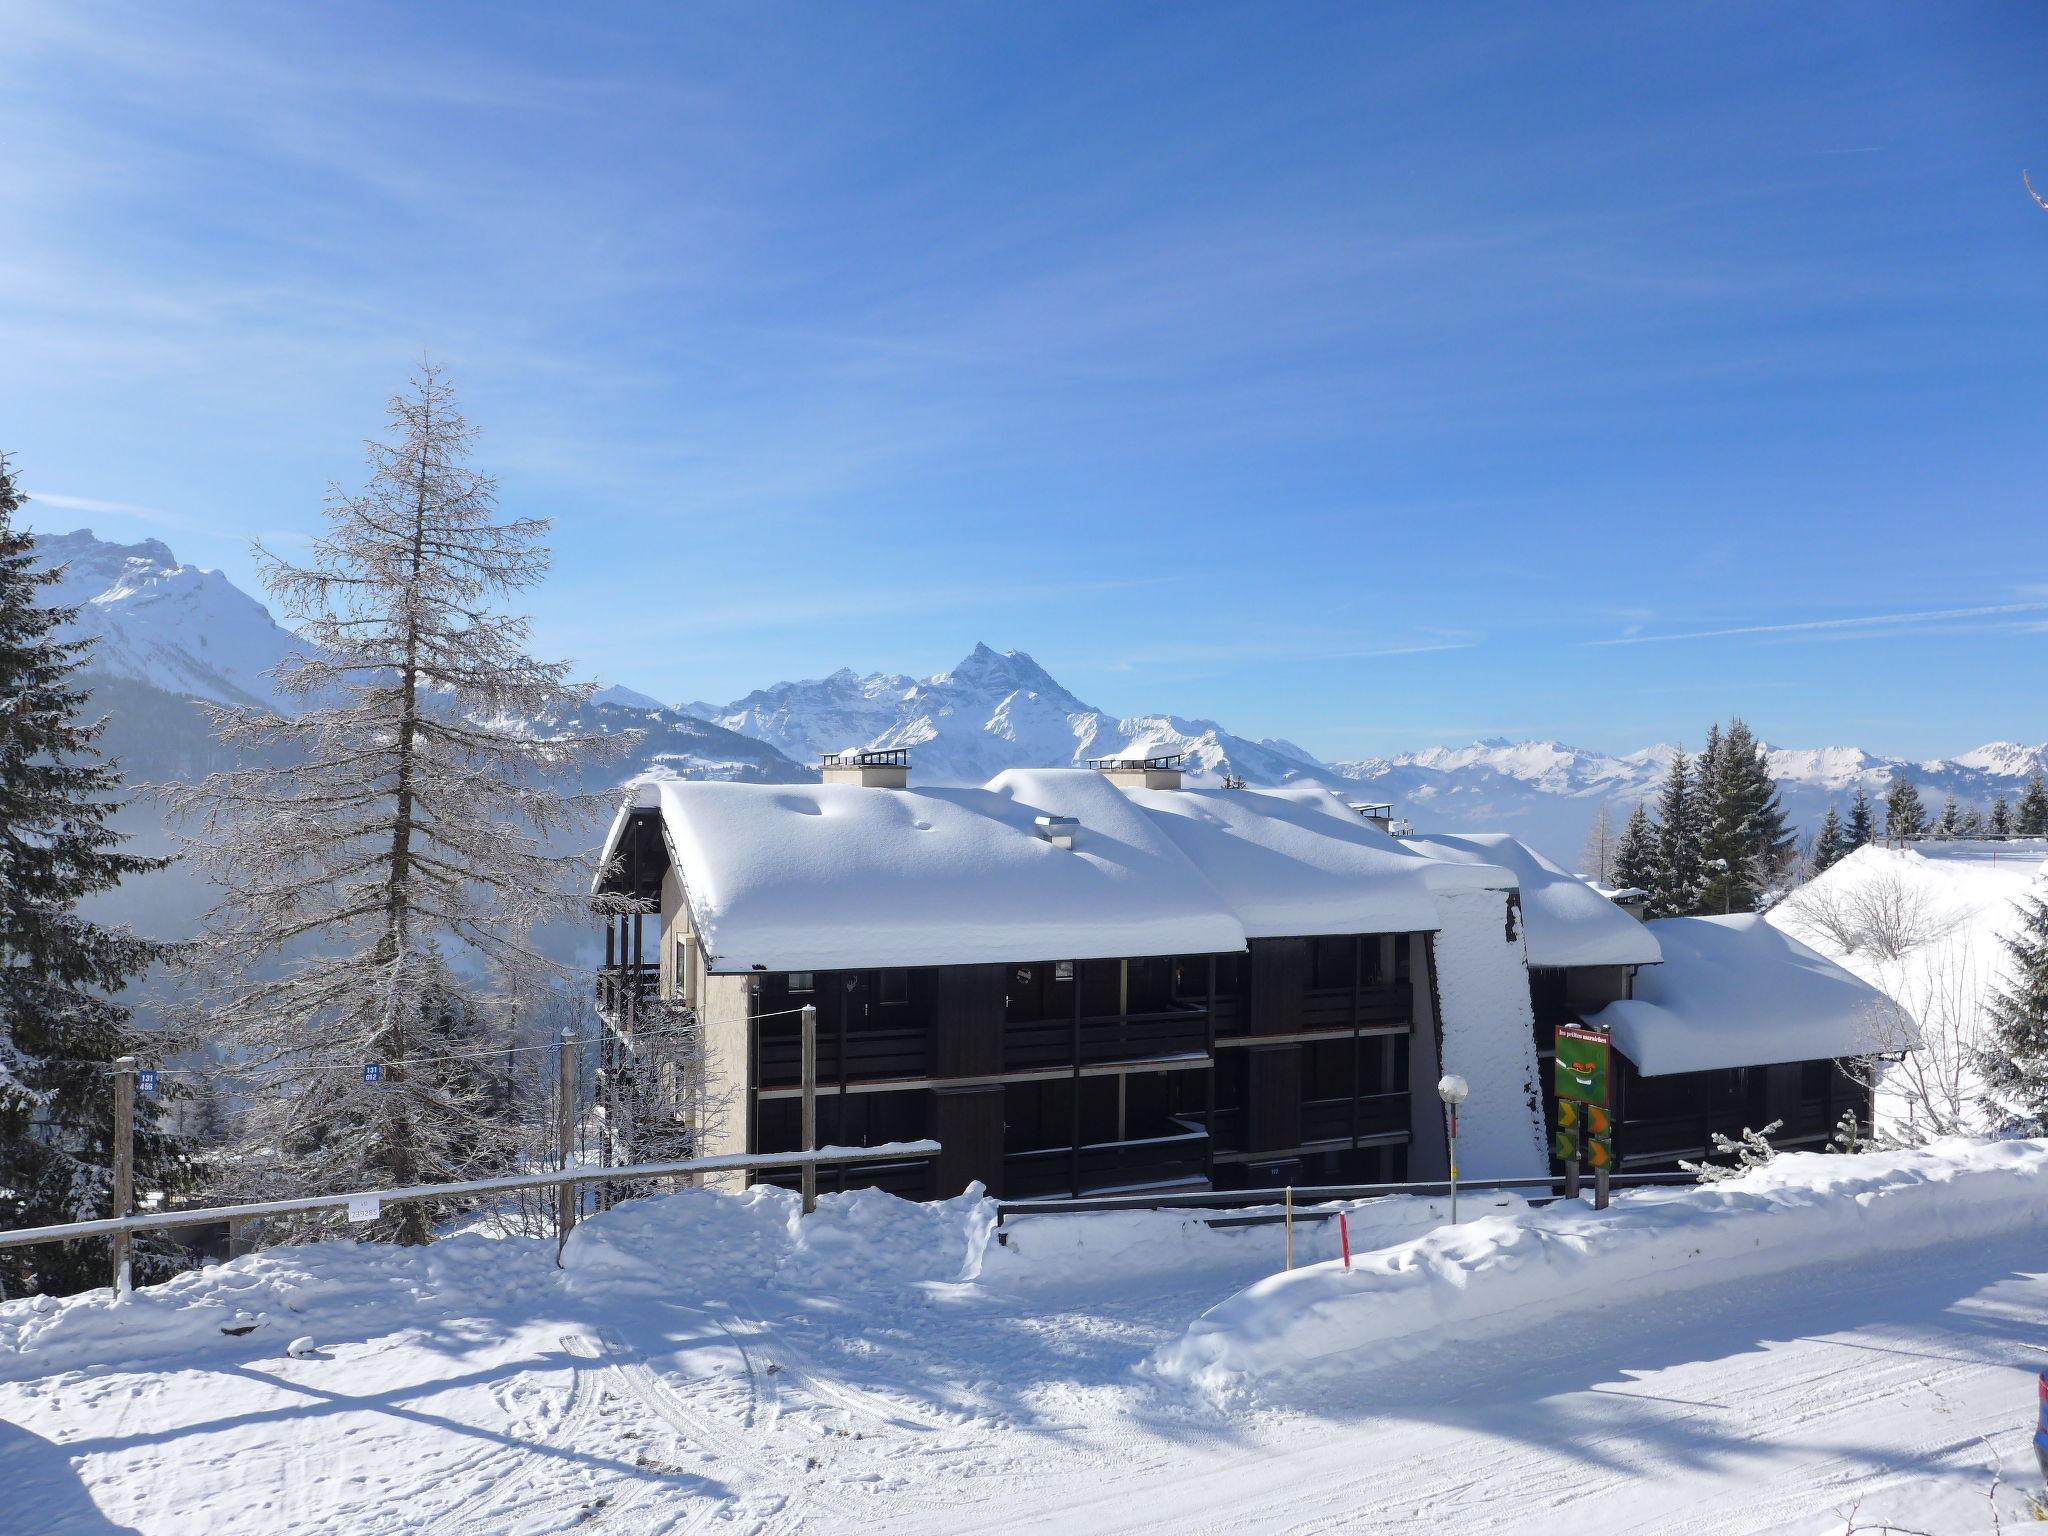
1324	1121
1321	1009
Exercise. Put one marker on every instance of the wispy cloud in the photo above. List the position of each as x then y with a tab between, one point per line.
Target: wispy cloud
110	508
1865	626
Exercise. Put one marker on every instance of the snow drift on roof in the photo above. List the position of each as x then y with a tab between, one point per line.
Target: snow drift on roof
837	876
1299	861
1567	921
1736	992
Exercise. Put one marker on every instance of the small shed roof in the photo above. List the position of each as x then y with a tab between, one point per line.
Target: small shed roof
1737	992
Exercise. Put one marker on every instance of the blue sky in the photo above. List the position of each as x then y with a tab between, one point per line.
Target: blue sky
1367	378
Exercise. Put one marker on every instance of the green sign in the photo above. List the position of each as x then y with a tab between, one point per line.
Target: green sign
1581	1067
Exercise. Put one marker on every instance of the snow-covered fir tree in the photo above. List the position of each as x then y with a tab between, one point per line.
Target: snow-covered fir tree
1676	891
2013	1057
1950	822
1635	856
1999	822
2031	819
402	818
1862	827
1904	815
1745	841
1829	843
60	1028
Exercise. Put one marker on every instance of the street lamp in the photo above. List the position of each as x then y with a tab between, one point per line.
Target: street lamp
1453	1090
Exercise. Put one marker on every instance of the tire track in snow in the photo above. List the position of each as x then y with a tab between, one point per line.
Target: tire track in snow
463	1520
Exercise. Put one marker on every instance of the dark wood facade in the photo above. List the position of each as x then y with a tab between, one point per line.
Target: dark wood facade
1053	1077
1659	1121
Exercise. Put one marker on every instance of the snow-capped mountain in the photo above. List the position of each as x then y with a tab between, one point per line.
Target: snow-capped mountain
177	627
186	633
183	633
994	710
1001	709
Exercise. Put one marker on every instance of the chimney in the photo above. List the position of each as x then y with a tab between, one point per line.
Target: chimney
1140	772
1632	901
887	769
1058	830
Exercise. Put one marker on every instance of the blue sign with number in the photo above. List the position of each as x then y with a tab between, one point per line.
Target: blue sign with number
373	1071
146	1081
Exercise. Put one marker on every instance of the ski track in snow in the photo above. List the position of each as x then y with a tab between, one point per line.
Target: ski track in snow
1014	1405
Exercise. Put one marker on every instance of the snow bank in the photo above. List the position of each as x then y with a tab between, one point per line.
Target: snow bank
1738	992
1489	1037
710	1242
1568	921
1488	1276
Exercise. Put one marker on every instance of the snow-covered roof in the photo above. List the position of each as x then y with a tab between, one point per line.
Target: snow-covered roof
1567	921
833	876
1737	992
1299	861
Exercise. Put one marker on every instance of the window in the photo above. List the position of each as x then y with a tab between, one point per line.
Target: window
799	981
686	972
895	987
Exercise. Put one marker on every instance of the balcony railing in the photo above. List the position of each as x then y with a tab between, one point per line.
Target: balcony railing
1324	1120
1144	1163
869	1054
1171	1031
1323	1008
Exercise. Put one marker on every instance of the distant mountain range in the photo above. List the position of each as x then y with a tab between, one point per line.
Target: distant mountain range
182	633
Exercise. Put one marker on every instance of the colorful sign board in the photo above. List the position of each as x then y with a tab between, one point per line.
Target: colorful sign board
1580	1072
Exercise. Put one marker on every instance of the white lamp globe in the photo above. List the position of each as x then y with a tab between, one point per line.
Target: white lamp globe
1453	1089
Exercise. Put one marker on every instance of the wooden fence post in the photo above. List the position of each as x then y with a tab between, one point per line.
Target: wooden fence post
810	1075
124	1170
565	1192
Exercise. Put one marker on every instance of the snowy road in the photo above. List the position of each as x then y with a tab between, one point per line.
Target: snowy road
916	1404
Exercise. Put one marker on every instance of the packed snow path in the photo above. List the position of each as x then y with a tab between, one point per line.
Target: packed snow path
700	1368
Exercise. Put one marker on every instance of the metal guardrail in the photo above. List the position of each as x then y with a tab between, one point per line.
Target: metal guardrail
1233	1199
159	1221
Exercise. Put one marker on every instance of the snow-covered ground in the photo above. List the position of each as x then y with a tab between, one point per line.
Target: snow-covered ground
1924	925
711	1362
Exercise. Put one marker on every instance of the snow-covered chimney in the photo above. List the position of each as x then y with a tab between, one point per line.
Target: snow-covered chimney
870	769
1140	772
1632	901
1060	831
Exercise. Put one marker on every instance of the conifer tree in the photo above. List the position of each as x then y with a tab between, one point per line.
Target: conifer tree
1635	857
2031	820
1904	816
1745	841
1862	829
401	818
1949	823
2013	1060
1828	844
1999	823
59	1027
1676	892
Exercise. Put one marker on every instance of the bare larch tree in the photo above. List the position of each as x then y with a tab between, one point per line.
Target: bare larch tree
400	820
